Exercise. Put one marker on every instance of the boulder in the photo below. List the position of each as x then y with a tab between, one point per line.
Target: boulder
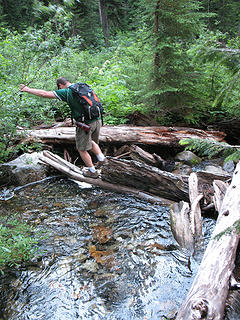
188	157
22	170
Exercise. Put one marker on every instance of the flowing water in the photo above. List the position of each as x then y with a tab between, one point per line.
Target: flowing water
102	255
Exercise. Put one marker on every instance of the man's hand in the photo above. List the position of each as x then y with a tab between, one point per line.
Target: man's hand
23	87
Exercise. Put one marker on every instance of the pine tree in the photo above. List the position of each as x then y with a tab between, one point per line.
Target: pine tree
174	24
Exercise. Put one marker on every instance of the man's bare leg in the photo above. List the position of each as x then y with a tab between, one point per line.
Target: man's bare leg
86	158
97	151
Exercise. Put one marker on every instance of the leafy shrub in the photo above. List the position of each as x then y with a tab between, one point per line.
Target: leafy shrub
17	243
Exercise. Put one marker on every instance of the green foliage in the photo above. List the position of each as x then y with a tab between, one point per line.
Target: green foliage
213	73
23	59
212	149
17	243
37	58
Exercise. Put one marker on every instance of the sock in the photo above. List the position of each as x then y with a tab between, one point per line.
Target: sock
92	169
100	157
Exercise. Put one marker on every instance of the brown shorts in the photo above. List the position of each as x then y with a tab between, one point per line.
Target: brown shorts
84	140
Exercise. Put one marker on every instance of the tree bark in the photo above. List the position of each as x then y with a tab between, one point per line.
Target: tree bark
207	296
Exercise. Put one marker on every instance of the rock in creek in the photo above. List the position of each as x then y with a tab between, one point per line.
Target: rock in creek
25	169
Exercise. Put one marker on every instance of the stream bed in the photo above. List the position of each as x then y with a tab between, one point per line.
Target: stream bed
102	255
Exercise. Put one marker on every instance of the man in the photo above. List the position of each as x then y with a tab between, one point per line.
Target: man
84	141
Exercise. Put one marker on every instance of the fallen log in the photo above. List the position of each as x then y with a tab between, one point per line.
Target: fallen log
146	178
207	295
126	176
119	174
75	173
153	180
165	136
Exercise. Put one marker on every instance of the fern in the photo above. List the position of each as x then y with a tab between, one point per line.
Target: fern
211	149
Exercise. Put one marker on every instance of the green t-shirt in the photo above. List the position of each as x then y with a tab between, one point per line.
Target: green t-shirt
72	100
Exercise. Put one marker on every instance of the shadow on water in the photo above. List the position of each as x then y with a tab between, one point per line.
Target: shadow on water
104	256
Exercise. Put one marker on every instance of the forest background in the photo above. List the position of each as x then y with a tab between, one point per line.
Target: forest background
177	61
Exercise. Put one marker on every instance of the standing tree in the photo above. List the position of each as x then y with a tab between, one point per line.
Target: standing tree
116	15
173	25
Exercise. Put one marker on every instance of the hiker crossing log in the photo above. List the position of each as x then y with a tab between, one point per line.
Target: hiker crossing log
165	136
207	295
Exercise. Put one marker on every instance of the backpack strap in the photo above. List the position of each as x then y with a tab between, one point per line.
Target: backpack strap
88	100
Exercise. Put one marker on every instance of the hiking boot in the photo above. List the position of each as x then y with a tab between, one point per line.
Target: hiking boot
89	174
99	164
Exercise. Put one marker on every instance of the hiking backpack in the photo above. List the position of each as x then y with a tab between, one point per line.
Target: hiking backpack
92	108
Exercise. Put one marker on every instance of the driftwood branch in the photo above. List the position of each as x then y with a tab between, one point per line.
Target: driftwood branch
186	221
207	296
220	188
195	214
181	225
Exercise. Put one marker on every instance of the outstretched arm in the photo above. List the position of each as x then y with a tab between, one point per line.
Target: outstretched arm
38	92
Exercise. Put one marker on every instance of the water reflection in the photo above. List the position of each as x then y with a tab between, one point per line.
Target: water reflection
104	256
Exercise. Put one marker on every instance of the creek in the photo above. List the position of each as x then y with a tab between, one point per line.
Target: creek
102	256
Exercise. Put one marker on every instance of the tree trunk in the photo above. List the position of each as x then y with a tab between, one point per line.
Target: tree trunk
156	33
104	20
207	296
